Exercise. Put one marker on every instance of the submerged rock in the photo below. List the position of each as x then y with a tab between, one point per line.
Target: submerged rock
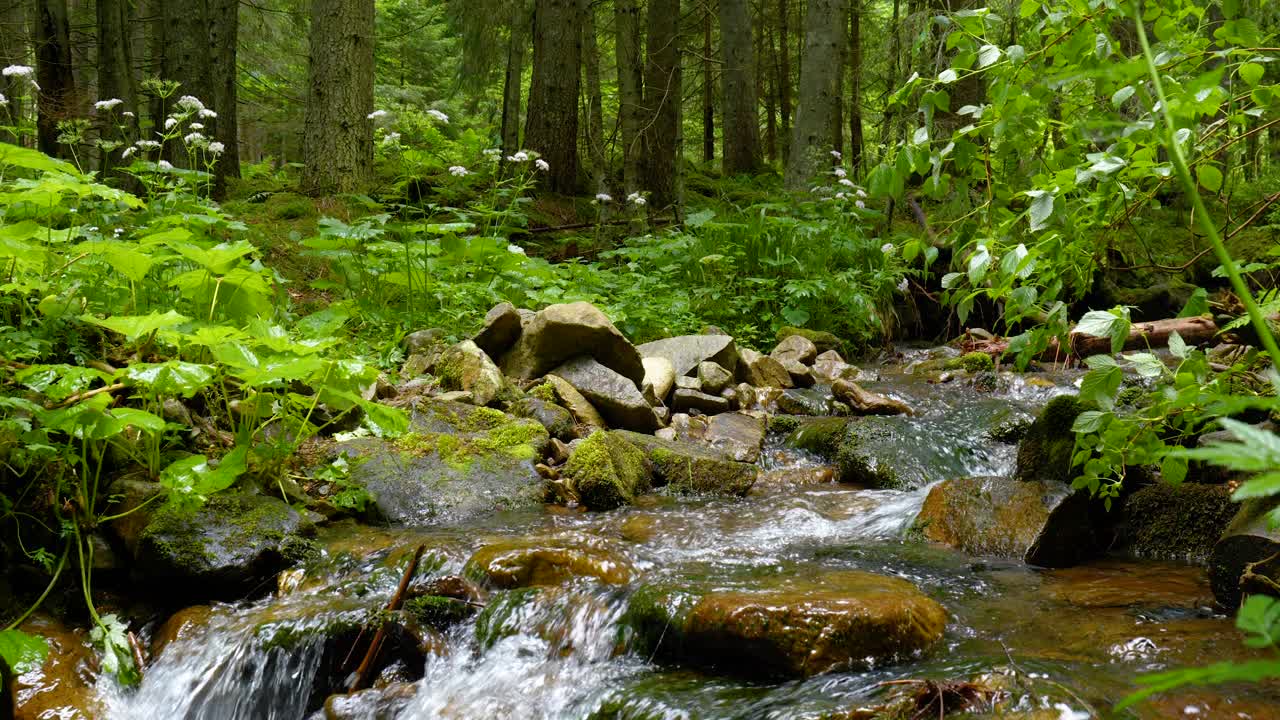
560	332
532	562
806	401
605	471
691	468
223	549
617	398
835	621
1045	451
63	685
1177	522
467	368
378	703
456	462
1045	524
684	352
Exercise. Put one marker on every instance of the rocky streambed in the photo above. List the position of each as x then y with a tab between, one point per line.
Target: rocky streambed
720	534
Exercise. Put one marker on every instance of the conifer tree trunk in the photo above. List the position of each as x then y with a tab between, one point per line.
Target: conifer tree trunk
13	51
769	78
784	74
595	103
552	125
708	90
627	43
511	91
970	89
662	96
199	45
115	75
837	107
895	53
54	73
741	111
856	140
823	36
337	139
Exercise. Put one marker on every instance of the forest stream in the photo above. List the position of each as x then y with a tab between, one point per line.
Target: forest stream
1062	644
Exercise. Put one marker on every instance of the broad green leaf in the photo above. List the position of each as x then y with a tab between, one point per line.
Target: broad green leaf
1122	95
979	261
988	55
1197	304
1099	386
170	378
29	159
1253	671
1146	364
950	280
1251	73
1090	421
1105	323
1177	346
947	76
196	476
1173	469
137	326
19	651
1041	208
920	136
1210	177
141	419
1263	485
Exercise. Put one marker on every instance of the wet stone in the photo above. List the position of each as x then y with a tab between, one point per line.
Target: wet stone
683	401
533	562
713	377
809	401
737	434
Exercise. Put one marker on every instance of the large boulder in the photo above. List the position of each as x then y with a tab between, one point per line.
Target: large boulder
865	402
1180	523
686	351
796	348
1042	523
835	621
529	562
466	367
501	329
1045	451
823	341
691	468
1244	560
226	547
605	471
659	377
617	397
584	413
560	332
456	462
738	435
761	370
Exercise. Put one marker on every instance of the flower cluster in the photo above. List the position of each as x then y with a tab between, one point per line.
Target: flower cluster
604	198
541	165
3	100
21	72
637	199
190	103
439	116
458	171
376	115
520	156
217	148
107	104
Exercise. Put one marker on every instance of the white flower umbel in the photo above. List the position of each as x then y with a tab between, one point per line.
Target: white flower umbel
861	193
604	198
217	148
376	115
841	196
3	100
636	199
458	171
128	152
196	126
492	152
836	154
840	172
887	248
207	114
541	165
391	138
128	114
108	104
21	72
164	165
170	123
147	145
902	286
439	116
859	204
190	103
515	249
846	182
520	156
195	139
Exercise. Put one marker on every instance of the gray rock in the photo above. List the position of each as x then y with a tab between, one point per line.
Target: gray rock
686	351
686	382
713	377
557	420
807	401
617	398
659	375
801	376
460	396
422	341
466	367
865	402
228	546
501	329
560	332
579	406
683	400
746	396
828	369
456	462
795	347
762	371
737	434
1246	559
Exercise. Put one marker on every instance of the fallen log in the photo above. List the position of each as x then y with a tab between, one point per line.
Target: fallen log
1143	335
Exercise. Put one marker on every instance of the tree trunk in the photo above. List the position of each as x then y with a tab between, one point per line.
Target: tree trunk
337	138
970	89
708	89
626	25
837	107
741	111
856	140
115	79
824	33
895	53
770	77
1193	330
595	104
13	51
784	75
56	99
224	37
552	125
662	96
511	90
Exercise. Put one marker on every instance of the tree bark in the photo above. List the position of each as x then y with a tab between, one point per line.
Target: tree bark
595	104
662	99
784	75
770	77
627	43
824	33
517	41
837	107
337	139
115	78
552	125
13	51
970	89
741	110
54	73
891	83
708	89
856	140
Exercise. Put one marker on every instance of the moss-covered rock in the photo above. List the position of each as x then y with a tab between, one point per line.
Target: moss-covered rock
466	367
1177	522
1244	559
835	621
226	547
691	468
530	562
1046	449
863	449
1045	524
605	471
824	341
457	461
974	362
557	420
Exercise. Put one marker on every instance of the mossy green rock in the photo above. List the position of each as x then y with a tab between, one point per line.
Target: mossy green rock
692	468
1045	451
226	547
456	462
1177	522
605	471
974	362
864	449
1244	559
834	621
1045	524
823	340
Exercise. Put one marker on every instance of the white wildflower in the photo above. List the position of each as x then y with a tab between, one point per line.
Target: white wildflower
887	248
128	152
836	154
169	123
196	126
492	152
861	193
902	286
128	114
636	199
841	196
164	165
376	115
118	232
24	72
840	172
515	249
207	114
107	104
195	138
541	165
859	204
190	103
94	228
846	182
147	145
391	138
520	156
439	116
604	198
3	100
217	148
458	171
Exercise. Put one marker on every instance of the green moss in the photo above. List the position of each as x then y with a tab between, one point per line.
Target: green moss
483	418
437	611
1046	450
1183	522
783	423
606	472
545	392
857	465
974	362
518	438
824	341
289	206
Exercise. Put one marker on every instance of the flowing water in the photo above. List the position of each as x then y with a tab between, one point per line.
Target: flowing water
1062	643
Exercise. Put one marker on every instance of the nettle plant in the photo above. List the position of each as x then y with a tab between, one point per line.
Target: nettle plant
1046	132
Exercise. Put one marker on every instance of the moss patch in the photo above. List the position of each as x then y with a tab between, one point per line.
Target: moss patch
606	472
824	341
974	362
1046	449
1182	522
545	392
